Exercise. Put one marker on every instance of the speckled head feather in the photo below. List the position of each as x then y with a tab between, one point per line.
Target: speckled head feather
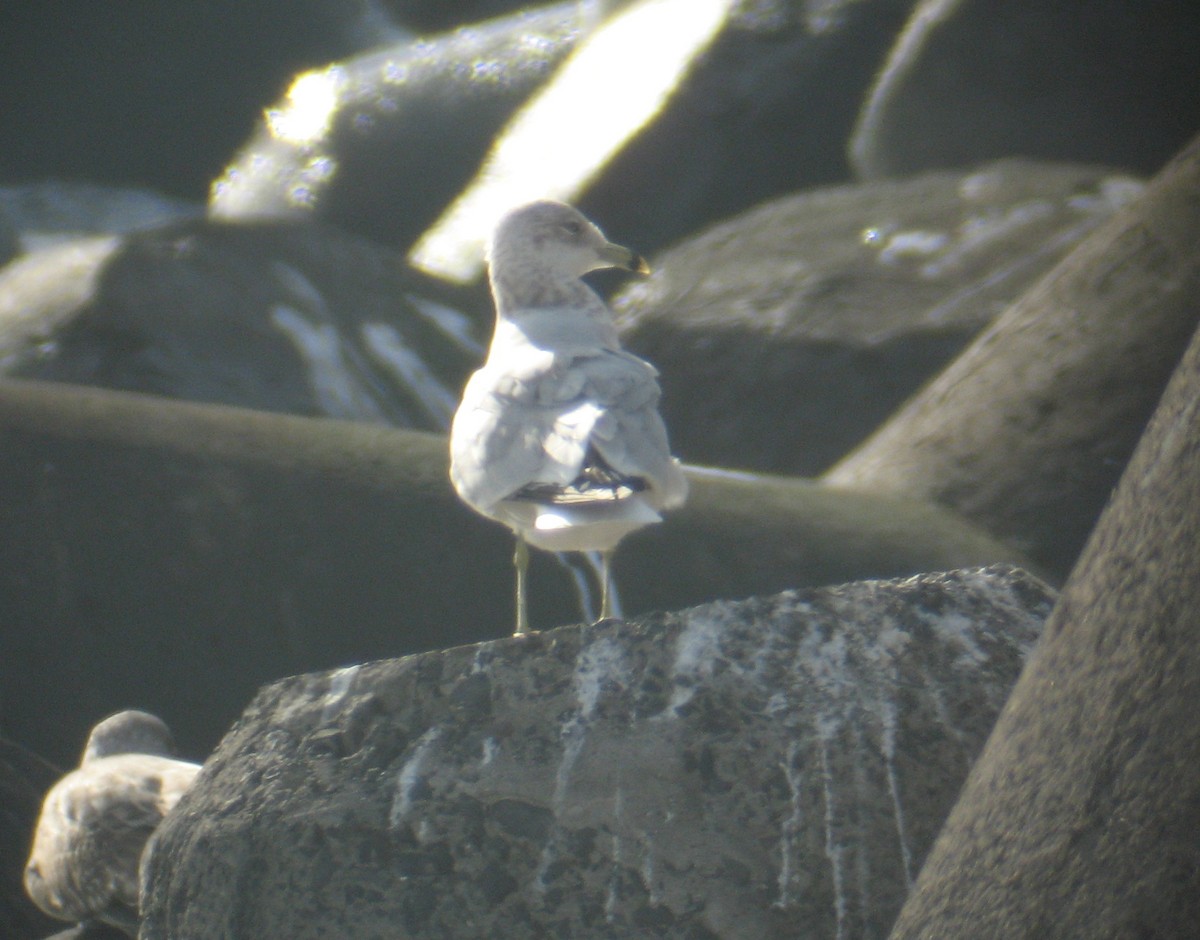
538	252
129	732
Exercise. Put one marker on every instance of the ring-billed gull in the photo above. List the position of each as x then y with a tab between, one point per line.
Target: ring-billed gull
96	820
558	435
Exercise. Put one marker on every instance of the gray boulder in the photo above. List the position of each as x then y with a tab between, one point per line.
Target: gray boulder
763	106
787	334
380	143
1080	818
969	80
735	770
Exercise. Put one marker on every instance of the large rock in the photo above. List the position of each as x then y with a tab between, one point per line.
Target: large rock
787	334
1081	817
277	316
173	557
970	80
379	143
752	769
760	103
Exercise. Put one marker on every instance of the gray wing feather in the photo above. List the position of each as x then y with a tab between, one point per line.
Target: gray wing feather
534	422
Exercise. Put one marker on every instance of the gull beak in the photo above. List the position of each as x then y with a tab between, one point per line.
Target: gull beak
620	257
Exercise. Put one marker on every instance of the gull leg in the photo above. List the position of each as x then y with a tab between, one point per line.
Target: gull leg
606	586
521	563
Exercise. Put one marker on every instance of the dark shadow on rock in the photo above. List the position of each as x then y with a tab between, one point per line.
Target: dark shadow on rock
727	771
152	93
24	779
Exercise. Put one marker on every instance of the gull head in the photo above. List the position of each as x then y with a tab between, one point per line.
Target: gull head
129	732
554	239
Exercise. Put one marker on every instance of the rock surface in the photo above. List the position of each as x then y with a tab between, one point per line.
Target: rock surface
1080	817
380	143
174	557
735	770
787	334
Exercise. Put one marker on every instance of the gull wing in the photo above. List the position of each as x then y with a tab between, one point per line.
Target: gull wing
535	419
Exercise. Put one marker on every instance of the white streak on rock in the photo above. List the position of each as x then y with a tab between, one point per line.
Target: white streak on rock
960	630
329	377
649	870
696	647
613	897
451	323
833	851
490	749
597	664
888	722
387	347
982	231
410	774
791	826
340	684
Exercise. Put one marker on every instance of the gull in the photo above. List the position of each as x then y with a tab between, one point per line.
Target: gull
96	820
558	435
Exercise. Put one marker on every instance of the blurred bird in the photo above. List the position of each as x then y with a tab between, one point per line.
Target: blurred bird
96	820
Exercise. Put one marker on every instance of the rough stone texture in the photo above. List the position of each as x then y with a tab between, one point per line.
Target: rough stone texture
173	557
24	779
787	334
1027	431
1081	817
280	316
735	770
969	80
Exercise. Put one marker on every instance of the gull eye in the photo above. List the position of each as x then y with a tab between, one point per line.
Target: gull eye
573	228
